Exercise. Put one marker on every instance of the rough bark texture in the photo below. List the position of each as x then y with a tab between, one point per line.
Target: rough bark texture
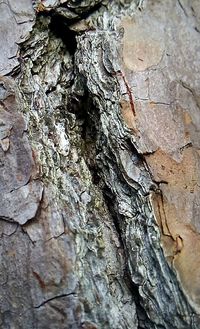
100	160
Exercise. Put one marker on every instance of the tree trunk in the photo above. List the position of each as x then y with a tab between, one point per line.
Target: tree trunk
100	161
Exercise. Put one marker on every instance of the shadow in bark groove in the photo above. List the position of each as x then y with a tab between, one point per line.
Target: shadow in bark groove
88	116
60	29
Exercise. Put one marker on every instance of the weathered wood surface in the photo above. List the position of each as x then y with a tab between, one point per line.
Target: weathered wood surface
99	171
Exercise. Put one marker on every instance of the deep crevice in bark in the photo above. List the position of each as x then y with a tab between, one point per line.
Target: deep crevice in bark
142	316
87	114
60	29
110	201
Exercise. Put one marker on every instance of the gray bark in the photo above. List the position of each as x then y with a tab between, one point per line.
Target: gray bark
99	172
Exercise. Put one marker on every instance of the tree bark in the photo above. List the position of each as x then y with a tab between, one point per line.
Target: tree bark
99	172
